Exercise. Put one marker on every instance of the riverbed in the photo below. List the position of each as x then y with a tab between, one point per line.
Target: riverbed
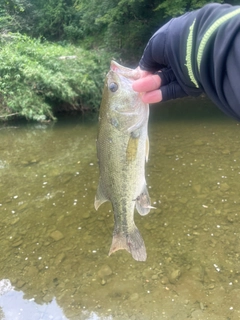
54	261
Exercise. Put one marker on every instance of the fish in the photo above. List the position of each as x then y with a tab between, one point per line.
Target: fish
122	151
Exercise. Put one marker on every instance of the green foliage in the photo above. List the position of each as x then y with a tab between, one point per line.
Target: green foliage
175	8
36	83
122	25
39	78
15	15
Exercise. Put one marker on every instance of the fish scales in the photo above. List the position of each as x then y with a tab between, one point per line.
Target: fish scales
122	149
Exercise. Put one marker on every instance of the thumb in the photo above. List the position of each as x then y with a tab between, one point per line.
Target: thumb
172	91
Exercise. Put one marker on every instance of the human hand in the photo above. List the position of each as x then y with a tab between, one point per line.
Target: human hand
148	84
163	69
161	86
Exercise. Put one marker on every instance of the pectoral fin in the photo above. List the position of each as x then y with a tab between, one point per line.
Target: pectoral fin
99	198
147	149
143	202
132	146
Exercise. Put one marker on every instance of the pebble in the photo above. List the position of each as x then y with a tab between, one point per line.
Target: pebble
197	188
174	276
19	284
198	143
198	314
134	296
224	186
231	217
56	235
225	151
155	277
86	215
103	282
164	280
14	221
23	206
104	271
183	200
148	226
17	243
201	305
211	286
47	298
32	271
59	258
169	153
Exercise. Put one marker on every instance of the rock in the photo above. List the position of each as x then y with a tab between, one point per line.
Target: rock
86	215
20	284
231	217
147	226
198	143
103	282
174	276
224	186
59	258
183	200
47	298
17	243
104	271
197	188
134	296
164	280
211	286
32	271
56	235
198	314
14	221
225	151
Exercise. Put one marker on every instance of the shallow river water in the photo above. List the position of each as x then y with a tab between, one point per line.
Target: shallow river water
54	260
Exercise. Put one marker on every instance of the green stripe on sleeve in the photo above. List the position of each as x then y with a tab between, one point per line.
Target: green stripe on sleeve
189	55
210	32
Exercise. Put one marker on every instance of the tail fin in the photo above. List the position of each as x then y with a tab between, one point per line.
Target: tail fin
132	242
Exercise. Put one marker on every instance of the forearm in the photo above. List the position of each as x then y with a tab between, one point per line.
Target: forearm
198	47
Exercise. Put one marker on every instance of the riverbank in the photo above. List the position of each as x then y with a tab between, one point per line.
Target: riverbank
40	79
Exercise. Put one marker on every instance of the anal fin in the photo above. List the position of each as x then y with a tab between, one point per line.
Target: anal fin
143	202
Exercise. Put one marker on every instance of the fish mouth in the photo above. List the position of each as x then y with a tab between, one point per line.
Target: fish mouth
128	73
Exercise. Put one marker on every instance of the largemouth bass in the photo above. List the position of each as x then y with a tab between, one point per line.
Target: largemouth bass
122	149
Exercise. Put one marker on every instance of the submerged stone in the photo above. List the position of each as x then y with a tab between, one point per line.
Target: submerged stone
59	258
134	296
104	271
56	235
174	276
17	243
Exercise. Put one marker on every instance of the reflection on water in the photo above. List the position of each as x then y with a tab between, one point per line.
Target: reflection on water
54	245
14	306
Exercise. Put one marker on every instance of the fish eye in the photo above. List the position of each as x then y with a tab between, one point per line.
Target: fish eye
113	87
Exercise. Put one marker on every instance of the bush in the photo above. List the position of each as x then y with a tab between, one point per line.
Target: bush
38	78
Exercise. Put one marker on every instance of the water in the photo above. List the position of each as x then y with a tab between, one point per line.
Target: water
54	260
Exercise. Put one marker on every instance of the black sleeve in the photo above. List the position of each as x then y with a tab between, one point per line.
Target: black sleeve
203	50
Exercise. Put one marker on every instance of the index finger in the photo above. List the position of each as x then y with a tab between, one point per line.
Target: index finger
149	83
